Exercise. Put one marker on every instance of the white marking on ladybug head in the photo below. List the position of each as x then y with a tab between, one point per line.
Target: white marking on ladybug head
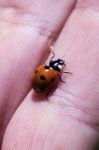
60	67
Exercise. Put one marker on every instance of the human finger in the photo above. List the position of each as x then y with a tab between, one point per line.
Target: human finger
27	29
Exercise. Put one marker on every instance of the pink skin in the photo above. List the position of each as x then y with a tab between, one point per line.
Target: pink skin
69	119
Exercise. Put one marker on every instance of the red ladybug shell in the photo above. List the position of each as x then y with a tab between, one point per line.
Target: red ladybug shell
44	79
47	76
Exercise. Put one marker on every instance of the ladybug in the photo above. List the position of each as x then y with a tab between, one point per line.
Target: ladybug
47	76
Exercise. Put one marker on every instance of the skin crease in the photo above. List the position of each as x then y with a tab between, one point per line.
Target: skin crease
69	119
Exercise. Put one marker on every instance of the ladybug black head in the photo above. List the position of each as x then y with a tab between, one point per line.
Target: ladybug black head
56	64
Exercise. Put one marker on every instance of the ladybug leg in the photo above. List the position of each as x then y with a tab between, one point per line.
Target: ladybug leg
46	95
61	79
53	55
67	72
51	48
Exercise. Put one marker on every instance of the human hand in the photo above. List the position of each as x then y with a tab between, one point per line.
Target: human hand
69	119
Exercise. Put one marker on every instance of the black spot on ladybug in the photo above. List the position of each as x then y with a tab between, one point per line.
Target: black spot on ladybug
42	77
36	71
47	67
53	79
42	88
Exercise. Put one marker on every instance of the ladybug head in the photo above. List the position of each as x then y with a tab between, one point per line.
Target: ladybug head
56	64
